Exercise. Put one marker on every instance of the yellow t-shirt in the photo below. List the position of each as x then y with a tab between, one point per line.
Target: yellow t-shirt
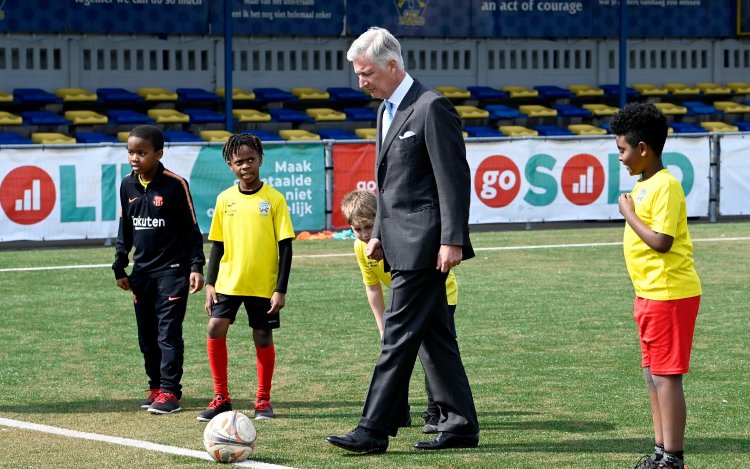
250	226
660	203
373	272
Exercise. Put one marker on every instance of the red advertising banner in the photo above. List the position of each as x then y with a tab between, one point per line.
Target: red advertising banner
353	168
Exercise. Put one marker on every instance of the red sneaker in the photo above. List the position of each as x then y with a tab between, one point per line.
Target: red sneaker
218	405
165	403
152	395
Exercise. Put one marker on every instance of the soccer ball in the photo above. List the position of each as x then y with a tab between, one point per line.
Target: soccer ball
230	437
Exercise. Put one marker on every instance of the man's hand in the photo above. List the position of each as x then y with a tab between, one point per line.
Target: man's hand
374	249
196	282
449	256
123	283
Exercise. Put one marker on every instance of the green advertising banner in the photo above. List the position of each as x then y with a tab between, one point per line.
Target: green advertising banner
297	171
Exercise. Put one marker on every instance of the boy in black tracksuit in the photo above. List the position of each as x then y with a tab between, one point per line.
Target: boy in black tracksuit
158	219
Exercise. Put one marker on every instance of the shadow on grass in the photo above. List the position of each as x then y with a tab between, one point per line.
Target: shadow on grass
706	445
568	426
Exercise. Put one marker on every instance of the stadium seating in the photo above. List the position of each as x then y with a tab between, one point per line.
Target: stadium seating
51	138
553	92
360	114
739	87
587	129
108	96
204	116
34	96
518	131
157	94
686	128
180	136
324	114
194	96
75	95
337	134
273	95
238	94
537	110
453	92
168	116
600	110
713	88
501	111
648	89
586	91
289	115
127	117
344	94
307	93
482	131
7	118
613	91
472	112
731	107
716	126
367	133
13	139
123	136
265	135
298	134
215	135
86	117
571	111
518	91
43	118
95	137
250	115
699	108
5	97
552	130
743	126
682	89
670	109
486	93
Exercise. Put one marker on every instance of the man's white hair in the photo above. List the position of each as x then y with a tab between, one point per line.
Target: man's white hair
378	45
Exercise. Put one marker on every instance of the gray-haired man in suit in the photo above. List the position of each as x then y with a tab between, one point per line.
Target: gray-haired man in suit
421	230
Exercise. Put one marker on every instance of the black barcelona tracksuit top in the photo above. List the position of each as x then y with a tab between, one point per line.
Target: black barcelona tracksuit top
159	221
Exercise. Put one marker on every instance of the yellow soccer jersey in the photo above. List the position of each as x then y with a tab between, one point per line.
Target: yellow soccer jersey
250	226
660	203
373	272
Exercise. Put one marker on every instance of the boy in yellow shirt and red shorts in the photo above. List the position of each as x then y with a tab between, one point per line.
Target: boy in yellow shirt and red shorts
659	258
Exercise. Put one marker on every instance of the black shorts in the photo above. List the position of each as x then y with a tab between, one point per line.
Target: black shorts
255	306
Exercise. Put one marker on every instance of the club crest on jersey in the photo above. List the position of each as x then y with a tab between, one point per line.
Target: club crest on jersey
264	207
641	194
158	201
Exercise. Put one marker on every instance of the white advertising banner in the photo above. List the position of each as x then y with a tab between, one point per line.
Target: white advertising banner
734	198
573	179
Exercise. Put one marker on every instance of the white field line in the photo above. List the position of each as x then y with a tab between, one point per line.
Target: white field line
315	256
115	440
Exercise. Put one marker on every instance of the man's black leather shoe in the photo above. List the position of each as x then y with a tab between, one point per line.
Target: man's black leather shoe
447	440
361	440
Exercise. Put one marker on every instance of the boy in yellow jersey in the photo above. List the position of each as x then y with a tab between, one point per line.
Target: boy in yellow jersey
359	208
659	258
249	265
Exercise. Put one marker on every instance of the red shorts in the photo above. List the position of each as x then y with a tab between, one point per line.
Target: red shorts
666	330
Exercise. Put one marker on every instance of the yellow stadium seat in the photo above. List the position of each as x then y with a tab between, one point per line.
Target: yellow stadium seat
157	94
518	131
5	97
515	91
586	129
215	135
737	86
713	88
472	112
682	88
670	109
586	90
600	109
324	114
7	118
168	116
310	93
715	126
298	134
647	89
453	92
70	95
366	133
51	138
536	110
466	134
251	115
86	117
238	94
123	136
731	107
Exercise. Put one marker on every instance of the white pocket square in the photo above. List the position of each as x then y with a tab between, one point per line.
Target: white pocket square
406	134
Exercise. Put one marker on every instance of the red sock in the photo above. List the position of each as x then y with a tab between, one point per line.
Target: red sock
217	359
265	360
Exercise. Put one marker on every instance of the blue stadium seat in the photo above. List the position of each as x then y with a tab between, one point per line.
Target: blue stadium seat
35	96
204	116
289	115
14	139
482	131
486	92
553	92
744	126
337	134
501	111
699	108
552	130
342	93
265	135
273	94
126	116
613	91
117	96
196	95
686	128
177	136
360	114
43	118
95	137
571	110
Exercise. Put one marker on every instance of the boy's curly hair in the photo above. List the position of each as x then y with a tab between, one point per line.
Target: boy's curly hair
150	133
641	122
236	141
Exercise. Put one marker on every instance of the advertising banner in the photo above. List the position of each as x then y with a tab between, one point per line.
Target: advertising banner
353	168
734	198
566	180
282	17
73	193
